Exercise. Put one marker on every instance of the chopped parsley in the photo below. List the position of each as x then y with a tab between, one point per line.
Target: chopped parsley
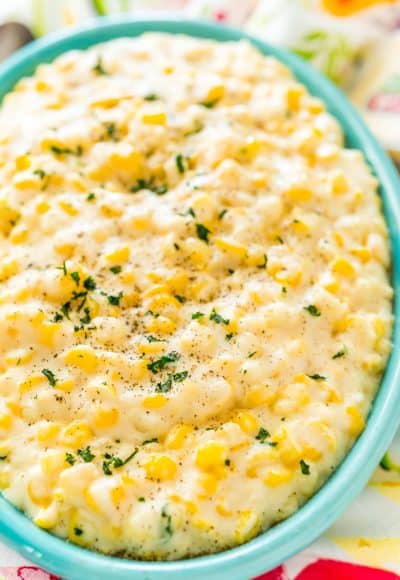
312	309
151	97
115	269
158	365
149	184
40	173
90	196
279	239
317	377
202	232
78	531
340	353
180	298
180	163
227	462
222	213
111	131
229	336
66	150
196	315
151	338
167	522
113	461
3	457
217	318
305	468
147	441
99	68
173	377
115	299
152	313
89	283
250	355
69	458
75	277
262	435
50	377
142	499
86	454
264	264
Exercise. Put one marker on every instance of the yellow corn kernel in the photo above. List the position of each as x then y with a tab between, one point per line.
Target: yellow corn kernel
379	328
66	386
222	511
156	290
76	434
126	161
278	476
18	356
232	248
119	255
332	285
300	227
364	254
36	497
5	421
127	479
30	383
47	432
127	277
8	217
293	97
68	207
53	461
357	422
41	86
339	184
161	325
110	211
247	527
47	332
298	194
22	162
251	149
310	452
259	460
19	235
258	396
343	267
247	422
5	479
150	347
104	418
160	468
288	278
190	506
155	401
177	436
91	500
42	207
73	525
45	520
66	250
216	93
202	524
211	455
83	357
209	483
8	268
117	495
156	118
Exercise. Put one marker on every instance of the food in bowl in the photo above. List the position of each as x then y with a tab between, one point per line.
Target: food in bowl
194	295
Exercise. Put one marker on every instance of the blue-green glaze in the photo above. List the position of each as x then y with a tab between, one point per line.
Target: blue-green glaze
282	541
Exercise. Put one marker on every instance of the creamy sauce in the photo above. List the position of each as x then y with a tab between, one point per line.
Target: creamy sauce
195	308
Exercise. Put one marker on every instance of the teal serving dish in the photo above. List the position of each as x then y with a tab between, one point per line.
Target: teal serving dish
285	539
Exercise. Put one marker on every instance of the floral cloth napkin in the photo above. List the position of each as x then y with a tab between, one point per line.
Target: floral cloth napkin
357	44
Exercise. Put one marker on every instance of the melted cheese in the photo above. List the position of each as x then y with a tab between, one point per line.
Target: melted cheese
194	300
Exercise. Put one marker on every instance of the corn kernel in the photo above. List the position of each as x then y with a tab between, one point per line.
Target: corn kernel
343	267
5	421
47	333
357	422
47	432
160	468
247	527
22	162
30	383
68	207
53	461
209	483
18	356
40	499
160	325
216	93
339	184
293	97
247	422
177	436
298	194
364	254
82	357
232	248
104	418
119	255
117	495
76	434
66	386
278	476
8	268
154	401
155	118
210	455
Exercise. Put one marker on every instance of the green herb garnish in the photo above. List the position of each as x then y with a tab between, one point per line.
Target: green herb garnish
264	264
86	454
262	435
99	68
312	309
115	299
115	269
69	458
158	365
202	232
305	468
50	377
217	318
196	315
180	163
317	377
340	353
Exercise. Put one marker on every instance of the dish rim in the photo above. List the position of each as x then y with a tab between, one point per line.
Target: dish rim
296	532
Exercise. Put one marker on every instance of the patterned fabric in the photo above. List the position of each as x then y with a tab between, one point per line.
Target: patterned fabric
334	35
